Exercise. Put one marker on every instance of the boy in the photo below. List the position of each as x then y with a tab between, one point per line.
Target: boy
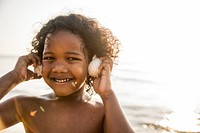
64	47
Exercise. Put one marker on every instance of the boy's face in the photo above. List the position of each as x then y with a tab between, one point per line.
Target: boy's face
64	63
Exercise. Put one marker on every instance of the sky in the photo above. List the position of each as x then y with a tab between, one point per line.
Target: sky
21	18
165	33
145	27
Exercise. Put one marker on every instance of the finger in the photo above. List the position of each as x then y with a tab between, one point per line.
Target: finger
110	62
105	69
38	60
106	62
35	76
32	75
96	81
33	60
25	61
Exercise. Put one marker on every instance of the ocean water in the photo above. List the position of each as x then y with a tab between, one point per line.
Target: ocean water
154	100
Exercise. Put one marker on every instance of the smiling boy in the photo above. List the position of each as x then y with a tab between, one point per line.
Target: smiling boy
64	47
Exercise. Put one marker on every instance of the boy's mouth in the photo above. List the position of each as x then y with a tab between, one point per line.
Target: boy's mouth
62	80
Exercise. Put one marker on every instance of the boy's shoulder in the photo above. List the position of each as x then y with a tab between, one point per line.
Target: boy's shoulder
96	101
93	100
31	102
24	100
27	98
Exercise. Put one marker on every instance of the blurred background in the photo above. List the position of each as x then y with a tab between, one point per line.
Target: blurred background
157	76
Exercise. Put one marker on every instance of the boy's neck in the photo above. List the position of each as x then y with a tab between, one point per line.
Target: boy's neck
80	95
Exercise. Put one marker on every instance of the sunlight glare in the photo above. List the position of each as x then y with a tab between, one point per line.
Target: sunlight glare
182	121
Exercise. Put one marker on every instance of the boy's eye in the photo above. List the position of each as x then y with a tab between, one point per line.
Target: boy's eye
48	58
72	59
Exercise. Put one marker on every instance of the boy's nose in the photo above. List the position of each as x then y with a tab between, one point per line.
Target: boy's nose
60	68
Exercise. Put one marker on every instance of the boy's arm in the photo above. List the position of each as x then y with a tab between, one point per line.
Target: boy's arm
115	120
9	114
19	74
7	82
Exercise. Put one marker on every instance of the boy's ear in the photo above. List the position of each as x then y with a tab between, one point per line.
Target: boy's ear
93	67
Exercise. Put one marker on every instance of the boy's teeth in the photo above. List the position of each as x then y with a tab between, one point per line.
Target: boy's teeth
61	80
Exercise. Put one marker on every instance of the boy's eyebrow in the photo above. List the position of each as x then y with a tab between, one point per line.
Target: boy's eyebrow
74	53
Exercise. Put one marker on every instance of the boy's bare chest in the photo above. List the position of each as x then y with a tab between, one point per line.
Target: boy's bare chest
54	119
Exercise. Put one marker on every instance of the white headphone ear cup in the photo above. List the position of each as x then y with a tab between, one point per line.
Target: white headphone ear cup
38	70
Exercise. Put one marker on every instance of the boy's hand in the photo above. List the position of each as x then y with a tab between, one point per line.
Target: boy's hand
102	84
21	67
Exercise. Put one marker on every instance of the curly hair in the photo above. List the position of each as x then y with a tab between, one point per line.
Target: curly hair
97	39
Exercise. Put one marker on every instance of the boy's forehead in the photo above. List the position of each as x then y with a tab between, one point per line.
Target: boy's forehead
64	35
49	41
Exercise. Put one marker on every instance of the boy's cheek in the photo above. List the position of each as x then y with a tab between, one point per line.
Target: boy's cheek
45	69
